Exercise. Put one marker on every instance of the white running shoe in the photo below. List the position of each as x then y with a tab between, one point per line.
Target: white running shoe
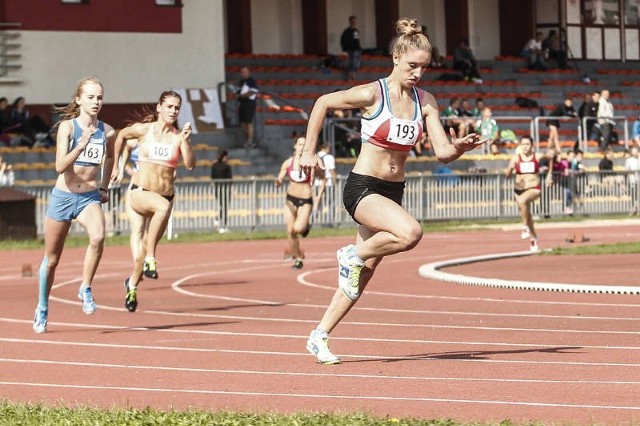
349	268
40	320
88	304
526	233
318	345
534	245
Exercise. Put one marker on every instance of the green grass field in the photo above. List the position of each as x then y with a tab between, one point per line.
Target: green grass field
64	414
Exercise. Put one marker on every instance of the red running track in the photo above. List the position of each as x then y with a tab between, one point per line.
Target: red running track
225	328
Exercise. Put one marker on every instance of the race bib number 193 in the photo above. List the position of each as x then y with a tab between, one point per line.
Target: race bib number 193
403	132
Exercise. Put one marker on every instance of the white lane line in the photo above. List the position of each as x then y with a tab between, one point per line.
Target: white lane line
321	396
433	356
129	367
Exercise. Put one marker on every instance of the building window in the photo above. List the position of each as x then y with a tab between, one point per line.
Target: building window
169	2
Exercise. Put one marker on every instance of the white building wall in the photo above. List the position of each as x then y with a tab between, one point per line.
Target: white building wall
276	26
431	14
134	67
484	31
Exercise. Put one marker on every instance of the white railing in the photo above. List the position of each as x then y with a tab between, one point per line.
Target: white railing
258	204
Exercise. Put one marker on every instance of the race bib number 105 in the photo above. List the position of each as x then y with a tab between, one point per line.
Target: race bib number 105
160	152
403	132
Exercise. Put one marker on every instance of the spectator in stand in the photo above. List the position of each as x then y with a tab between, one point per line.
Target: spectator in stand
7	176
30	128
635	132
553	48
533	52
545	164
565	109
606	163
453	118
477	111
247	93
350	43
437	60
605	119
487	127
632	166
465	62
220	174
589	109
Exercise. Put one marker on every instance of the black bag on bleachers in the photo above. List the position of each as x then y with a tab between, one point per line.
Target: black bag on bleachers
523	102
450	76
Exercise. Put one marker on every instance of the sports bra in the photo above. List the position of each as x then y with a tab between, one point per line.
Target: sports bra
93	153
526	167
152	151
297	175
385	130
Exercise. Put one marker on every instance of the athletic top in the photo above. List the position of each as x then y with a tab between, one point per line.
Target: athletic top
385	130
152	151
93	153
526	167
297	175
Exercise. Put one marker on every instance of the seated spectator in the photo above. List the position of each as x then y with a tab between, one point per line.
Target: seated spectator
465	62
553	49
467	111
533	52
453	118
488	128
347	138
635	132
477	111
7	176
30	129
606	163
437	60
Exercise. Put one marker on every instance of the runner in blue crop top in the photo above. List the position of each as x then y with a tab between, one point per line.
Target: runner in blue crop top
392	123
83	145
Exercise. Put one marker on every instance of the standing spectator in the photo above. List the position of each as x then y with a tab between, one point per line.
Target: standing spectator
350	43
565	109
533	52
632	166
605	119
487	127
328	163
84	147
247	94
465	62
221	170
589	110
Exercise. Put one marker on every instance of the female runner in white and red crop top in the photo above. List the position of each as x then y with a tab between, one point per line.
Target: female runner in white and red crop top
393	110
160	146
525	165
299	202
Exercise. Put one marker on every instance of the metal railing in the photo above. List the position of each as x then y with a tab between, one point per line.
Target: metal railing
258	204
